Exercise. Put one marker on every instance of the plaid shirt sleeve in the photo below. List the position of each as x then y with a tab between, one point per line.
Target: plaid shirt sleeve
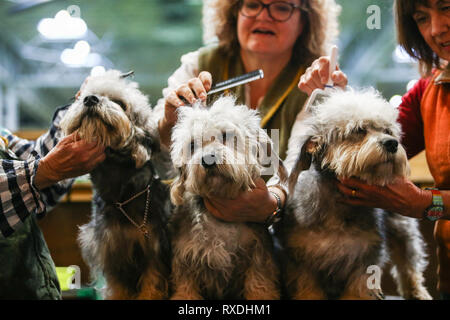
19	196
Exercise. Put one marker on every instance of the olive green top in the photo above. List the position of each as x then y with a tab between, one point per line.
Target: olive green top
27	270
281	104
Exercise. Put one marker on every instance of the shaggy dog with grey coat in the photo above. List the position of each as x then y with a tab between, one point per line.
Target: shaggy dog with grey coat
126	239
331	246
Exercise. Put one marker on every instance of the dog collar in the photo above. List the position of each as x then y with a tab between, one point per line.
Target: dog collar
143	226
436	210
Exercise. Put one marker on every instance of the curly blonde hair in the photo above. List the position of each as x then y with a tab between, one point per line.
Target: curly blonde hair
319	32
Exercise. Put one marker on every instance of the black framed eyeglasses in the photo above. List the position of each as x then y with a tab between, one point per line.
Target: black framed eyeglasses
279	10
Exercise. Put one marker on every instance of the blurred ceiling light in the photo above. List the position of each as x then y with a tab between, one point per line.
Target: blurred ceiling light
62	26
396	100
80	56
400	56
97	70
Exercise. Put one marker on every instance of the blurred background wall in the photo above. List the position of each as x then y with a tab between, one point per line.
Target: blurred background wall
48	47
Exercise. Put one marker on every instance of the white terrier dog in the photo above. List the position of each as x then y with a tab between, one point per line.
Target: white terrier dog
218	152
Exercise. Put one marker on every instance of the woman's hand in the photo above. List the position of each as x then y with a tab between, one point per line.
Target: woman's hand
316	76
255	205
401	196
70	158
188	93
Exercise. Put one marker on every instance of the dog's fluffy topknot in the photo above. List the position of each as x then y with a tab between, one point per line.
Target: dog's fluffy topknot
354	109
198	121
111	83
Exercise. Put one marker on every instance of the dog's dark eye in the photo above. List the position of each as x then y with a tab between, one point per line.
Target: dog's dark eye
387	131
361	131
228	137
121	104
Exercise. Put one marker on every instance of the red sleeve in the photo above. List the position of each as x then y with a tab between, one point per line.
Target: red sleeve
410	118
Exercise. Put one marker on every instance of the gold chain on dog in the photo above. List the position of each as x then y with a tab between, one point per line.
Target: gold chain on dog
142	227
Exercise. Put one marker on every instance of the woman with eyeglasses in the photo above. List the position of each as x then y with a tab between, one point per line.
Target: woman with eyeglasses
281	37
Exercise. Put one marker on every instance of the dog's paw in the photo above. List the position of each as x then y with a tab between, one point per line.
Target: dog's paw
263	296
186	296
155	295
419	293
377	294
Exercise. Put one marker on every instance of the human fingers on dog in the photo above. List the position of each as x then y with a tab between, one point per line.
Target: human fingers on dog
321	70
354	196
188	93
85	164
225	209
358	193
68	159
253	205
339	78
400	196
355	189
206	79
308	82
316	76
352	183
313	76
79	143
173	100
196	85
97	157
200	86
85	155
185	94
210	205
346	191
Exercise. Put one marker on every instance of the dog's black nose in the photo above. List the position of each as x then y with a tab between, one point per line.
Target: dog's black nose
90	101
208	161
391	145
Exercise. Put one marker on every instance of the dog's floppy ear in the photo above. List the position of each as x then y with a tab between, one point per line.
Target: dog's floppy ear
177	189
309	148
147	144
141	155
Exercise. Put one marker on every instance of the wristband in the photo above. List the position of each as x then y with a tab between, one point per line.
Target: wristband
276	215
436	210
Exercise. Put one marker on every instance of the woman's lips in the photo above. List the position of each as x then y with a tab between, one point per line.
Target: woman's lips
263	31
446	46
